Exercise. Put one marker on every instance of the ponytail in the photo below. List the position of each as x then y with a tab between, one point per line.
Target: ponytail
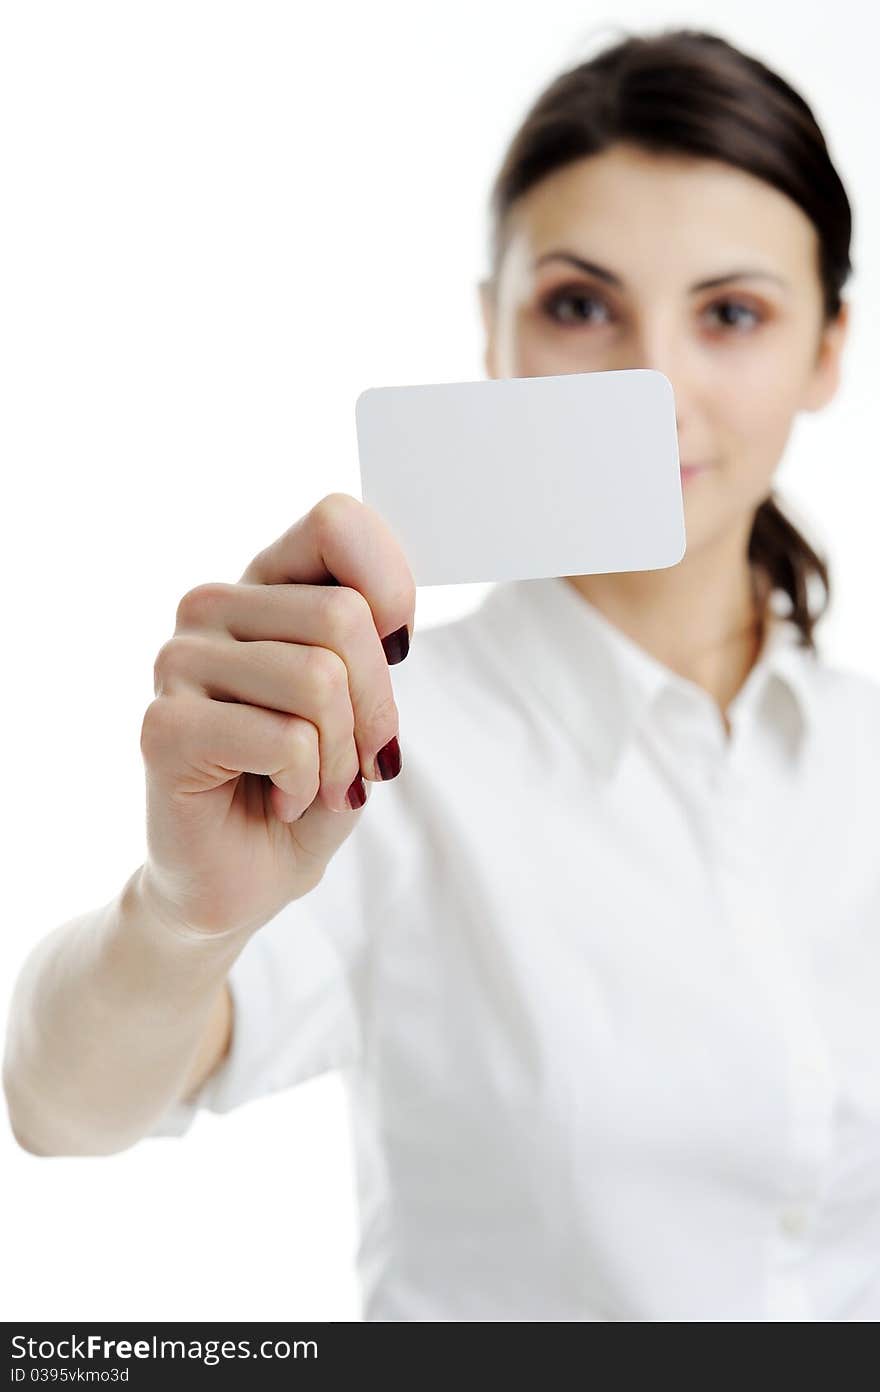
788	562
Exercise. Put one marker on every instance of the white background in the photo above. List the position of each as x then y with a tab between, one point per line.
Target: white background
220	223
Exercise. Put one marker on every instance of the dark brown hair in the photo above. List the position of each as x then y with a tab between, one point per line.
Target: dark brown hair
687	91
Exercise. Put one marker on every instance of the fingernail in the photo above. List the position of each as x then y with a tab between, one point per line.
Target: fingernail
396	645
388	759
357	794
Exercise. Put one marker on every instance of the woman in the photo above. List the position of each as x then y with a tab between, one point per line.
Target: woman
601	965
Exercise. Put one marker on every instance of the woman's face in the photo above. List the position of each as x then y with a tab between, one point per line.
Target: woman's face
744	355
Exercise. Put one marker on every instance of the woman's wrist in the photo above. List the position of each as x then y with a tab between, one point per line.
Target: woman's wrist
144	930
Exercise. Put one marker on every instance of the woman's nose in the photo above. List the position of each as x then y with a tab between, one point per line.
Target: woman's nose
658	345
660	349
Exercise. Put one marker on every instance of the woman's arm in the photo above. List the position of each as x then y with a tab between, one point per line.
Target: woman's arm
122	1011
215	1043
116	1014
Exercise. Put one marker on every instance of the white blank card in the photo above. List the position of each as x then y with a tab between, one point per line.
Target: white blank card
519	478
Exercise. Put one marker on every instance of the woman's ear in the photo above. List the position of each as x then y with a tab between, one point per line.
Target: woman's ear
487	311
825	377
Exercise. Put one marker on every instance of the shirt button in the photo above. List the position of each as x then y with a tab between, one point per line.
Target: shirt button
793	1222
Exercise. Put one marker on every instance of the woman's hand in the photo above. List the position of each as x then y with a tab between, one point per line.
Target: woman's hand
273	699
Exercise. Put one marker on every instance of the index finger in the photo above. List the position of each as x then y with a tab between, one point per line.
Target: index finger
344	541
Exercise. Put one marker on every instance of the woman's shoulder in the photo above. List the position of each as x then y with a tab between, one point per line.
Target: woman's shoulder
839	680
844	700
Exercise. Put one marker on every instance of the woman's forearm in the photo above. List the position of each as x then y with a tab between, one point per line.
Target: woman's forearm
116	1014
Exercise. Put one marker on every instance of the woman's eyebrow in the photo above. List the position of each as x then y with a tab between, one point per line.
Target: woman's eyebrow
603	274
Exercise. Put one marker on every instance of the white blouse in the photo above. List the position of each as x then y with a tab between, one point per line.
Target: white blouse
604	983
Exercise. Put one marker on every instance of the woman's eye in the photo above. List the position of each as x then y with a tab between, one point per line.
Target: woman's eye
733	321
555	307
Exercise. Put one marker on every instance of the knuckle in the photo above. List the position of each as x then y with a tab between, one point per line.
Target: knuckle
326	674
345	613
301	752
342	504
173	661
160	721
160	666
201	604
333	514
152	718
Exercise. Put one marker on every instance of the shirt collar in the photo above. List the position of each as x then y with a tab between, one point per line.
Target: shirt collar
602	685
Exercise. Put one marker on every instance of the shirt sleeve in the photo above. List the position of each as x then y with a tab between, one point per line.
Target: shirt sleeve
297	990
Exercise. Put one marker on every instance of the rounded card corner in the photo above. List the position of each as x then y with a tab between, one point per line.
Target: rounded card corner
663	378
367	391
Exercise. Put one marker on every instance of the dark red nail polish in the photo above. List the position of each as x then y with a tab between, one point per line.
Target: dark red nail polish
357	794
396	645
388	759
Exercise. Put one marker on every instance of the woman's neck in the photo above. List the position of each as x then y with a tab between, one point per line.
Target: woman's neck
701	617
